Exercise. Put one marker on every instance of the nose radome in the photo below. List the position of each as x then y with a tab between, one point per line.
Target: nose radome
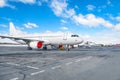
81	40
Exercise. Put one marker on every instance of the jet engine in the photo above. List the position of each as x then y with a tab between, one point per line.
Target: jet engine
36	44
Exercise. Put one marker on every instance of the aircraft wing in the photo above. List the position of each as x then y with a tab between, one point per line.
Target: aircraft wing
20	38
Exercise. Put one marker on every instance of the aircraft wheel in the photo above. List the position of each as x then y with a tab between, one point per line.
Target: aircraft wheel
68	49
45	48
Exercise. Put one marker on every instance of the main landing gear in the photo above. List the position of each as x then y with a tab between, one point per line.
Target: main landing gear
68	47
45	48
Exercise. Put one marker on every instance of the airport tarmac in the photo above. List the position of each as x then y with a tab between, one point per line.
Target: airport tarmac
95	63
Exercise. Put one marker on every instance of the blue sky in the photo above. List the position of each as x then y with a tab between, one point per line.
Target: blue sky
95	20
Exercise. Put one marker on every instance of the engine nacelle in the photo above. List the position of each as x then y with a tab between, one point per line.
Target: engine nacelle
36	44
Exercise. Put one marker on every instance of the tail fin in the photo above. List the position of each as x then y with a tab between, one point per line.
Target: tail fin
13	31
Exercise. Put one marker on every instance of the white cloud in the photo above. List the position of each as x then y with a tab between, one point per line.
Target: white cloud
100	8
3	3
91	20
3	25
63	21
118	18
25	1
64	28
11	6
40	2
69	13
117	27
90	7
60	9
110	16
5	18
30	25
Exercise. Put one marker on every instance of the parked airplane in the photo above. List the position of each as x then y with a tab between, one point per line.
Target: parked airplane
43	40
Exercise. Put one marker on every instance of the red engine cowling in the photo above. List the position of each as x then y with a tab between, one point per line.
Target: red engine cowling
36	44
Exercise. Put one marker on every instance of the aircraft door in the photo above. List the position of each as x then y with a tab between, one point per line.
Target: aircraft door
65	36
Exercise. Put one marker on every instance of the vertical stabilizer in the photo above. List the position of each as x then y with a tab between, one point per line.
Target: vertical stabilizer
13	31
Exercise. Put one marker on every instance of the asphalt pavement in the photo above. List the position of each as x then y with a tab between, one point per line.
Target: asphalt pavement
95	63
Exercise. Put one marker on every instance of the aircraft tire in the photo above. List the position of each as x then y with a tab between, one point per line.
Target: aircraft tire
44	48
68	49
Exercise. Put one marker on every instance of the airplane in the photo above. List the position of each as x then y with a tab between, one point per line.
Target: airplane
43	40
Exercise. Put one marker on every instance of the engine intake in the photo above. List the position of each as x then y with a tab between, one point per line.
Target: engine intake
36	44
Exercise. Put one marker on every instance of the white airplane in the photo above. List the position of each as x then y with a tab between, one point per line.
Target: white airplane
43	40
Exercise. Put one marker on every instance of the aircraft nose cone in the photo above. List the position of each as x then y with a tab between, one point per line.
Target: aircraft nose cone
76	40
81	40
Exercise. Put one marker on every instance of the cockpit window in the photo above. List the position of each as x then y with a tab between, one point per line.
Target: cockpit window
74	36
